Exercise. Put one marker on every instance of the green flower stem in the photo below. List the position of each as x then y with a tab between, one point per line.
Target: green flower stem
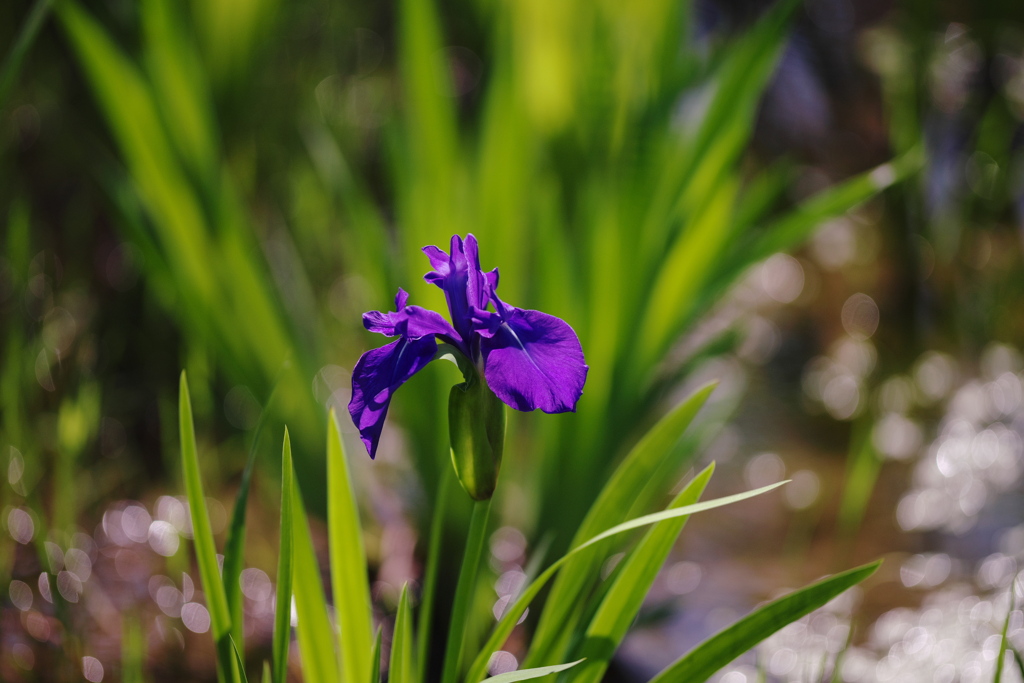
464	590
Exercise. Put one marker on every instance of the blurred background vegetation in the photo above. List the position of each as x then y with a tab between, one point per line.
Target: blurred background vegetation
821	205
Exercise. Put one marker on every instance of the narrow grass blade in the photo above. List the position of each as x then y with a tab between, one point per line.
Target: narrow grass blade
711	655
234	547
29	30
314	631
126	100
206	552
348	562
837	668
527	674
283	611
795	227
375	657
695	253
1003	642
724	129
624	598
787	232
403	667
267	676
179	84
761	193
432	143
515	612
239	661
612	506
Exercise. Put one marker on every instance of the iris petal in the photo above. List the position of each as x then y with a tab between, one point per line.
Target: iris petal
409	321
377	375
534	360
466	287
439	262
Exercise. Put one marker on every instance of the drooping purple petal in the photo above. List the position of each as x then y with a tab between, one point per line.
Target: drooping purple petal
377	375
383	323
409	321
387	323
534	360
412	321
423	321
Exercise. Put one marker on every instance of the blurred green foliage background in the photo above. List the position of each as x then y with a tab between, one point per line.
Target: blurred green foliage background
226	187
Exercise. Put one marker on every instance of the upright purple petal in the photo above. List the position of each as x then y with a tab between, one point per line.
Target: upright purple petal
478	289
445	265
491	277
377	375
401	298
466	287
534	360
439	262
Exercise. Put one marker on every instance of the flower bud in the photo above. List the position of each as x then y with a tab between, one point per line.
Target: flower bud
476	428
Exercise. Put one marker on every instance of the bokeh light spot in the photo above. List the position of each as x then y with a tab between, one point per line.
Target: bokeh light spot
92	669
860	316
195	617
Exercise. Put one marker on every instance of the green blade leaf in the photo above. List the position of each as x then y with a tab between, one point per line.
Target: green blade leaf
283	613
612	506
348	562
1019	661
127	101
317	645
714	653
624	598
695	253
234	547
687	181
527	674
202	532
26	36
1003	642
179	83
375	657
512	615
798	225
239	662
403	666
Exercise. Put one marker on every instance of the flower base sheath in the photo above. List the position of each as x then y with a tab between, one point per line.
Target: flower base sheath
525	358
476	429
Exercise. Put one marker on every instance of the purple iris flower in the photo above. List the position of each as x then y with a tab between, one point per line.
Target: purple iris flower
528	359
